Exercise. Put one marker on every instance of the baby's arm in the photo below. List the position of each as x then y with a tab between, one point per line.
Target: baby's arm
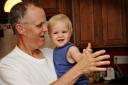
74	54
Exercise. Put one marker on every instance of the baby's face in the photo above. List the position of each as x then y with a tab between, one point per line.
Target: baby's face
60	34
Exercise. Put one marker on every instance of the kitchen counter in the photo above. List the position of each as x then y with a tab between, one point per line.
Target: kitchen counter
106	84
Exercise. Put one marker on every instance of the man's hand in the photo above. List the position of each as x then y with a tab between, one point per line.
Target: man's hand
90	63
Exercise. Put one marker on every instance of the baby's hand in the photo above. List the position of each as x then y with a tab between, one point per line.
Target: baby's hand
88	49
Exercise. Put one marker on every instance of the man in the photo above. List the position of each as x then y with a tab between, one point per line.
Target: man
28	64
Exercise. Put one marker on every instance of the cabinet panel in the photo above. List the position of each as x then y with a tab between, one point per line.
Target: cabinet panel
114	25
83	22
86	21
53	7
49	4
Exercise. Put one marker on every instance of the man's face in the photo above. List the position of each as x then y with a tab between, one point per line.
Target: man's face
35	27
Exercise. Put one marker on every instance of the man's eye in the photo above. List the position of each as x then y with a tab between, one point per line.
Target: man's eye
39	25
42	24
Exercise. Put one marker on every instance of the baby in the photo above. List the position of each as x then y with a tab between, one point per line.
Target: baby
66	54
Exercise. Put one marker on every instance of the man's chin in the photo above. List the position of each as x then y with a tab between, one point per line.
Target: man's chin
42	45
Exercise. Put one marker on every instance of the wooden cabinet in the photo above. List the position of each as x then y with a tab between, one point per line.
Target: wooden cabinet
53	7
101	22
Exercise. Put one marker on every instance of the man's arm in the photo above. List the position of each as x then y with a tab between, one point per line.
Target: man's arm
86	64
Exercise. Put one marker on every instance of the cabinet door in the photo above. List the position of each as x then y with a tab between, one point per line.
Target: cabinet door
101	22
114	25
53	7
83	22
50	6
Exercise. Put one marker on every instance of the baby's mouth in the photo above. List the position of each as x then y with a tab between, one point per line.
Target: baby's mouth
60	40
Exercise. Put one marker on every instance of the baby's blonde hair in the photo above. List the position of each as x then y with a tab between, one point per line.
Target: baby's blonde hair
59	18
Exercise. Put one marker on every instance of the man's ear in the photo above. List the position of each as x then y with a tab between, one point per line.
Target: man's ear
19	28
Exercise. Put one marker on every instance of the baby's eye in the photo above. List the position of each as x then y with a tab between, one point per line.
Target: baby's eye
55	32
64	32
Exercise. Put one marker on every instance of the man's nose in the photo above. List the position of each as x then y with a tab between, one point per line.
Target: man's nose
45	29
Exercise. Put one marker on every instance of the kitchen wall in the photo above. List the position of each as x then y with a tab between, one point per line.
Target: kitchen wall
123	66
8	40
121	52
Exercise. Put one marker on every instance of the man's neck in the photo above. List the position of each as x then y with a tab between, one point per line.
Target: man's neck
36	53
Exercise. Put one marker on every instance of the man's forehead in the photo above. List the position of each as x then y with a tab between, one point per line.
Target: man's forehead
33	8
33	14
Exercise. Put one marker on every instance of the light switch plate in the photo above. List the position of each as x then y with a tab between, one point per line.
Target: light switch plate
120	59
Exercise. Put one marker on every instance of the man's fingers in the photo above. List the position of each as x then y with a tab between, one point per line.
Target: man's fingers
97	65
99	69
98	53
101	63
92	62
103	57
